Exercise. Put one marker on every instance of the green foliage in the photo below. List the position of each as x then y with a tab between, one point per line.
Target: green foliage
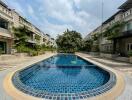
95	48
69	42
21	44
1	51
23	49
95	36
87	45
37	37
20	35
130	53
114	30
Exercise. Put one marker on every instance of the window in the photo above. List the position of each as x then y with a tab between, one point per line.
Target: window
129	26
129	47
3	24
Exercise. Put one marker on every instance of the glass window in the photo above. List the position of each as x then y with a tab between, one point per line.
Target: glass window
3	24
129	47
129	26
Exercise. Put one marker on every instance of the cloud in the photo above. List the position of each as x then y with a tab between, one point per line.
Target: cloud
55	16
66	14
30	10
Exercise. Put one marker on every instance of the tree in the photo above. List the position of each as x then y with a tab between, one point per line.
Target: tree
69	42
21	36
87	45
37	38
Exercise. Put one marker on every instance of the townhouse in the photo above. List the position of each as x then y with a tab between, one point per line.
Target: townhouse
9	18
121	44
6	21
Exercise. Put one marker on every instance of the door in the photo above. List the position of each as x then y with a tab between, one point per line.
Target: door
2	47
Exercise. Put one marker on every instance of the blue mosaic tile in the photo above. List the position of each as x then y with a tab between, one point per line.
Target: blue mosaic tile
57	78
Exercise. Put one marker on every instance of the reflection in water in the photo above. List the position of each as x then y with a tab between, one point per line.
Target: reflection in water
63	74
70	70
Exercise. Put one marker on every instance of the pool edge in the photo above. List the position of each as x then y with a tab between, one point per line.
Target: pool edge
114	92
12	90
111	94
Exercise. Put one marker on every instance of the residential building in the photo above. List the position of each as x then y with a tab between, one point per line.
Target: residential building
121	44
9	18
6	20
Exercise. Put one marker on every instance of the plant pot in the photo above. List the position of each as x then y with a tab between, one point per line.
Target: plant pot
130	59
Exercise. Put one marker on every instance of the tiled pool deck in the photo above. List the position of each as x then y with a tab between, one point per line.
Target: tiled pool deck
13	66
124	67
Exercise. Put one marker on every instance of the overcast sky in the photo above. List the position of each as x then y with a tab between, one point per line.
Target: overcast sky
55	16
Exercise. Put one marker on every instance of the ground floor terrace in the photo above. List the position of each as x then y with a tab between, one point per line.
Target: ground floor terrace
120	46
123	44
11	65
5	45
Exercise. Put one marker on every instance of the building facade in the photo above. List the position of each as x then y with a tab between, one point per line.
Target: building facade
6	21
9	18
121	44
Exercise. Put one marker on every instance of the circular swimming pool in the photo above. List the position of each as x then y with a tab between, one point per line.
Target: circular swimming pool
64	77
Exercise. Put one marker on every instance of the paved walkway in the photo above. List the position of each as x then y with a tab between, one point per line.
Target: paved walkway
9	67
126	68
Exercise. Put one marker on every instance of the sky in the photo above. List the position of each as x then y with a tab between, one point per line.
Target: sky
55	16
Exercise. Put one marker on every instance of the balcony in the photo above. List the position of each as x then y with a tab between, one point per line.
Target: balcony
127	33
5	33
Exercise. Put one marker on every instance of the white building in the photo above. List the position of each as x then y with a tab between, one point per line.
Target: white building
10	18
123	43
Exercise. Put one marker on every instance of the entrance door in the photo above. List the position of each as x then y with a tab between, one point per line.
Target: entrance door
2	47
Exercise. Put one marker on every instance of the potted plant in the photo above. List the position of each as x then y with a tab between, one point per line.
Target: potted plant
130	55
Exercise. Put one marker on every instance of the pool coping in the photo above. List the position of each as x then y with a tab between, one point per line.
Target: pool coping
112	93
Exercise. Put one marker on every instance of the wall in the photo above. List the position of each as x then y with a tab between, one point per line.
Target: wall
122	43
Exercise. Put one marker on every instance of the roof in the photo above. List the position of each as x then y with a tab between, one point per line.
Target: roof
126	5
3	4
112	17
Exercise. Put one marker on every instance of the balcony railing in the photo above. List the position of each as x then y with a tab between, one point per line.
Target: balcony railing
5	33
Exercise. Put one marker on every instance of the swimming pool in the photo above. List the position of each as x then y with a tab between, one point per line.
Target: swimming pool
64	77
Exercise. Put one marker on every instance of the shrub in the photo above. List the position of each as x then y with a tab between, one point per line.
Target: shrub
33	53
23	49
1	51
130	54
95	48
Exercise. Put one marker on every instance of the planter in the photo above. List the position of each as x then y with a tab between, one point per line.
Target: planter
130	59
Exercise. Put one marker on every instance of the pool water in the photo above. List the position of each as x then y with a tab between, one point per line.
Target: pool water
61	76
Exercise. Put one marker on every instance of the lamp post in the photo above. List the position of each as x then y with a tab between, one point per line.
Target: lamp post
102	17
